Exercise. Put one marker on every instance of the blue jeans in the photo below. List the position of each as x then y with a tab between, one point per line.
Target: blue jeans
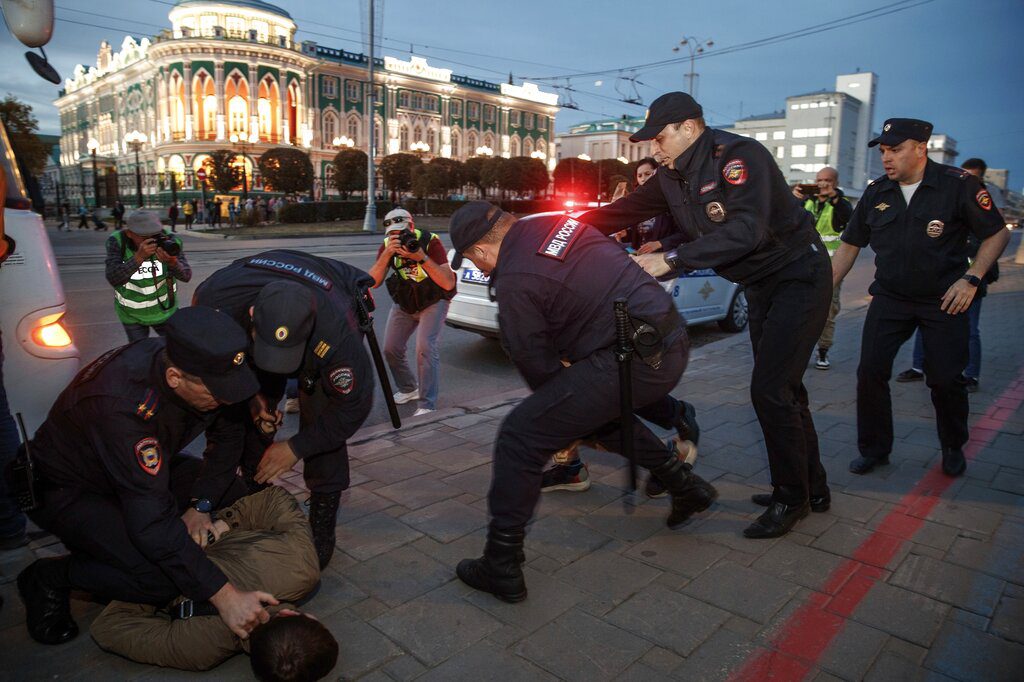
973	369
12	521
427	325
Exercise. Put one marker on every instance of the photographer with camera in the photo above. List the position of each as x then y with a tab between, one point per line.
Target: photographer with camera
143	262
421	285
831	210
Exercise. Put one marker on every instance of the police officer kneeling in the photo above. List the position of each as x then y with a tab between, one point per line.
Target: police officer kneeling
103	465
302	314
917	218
556	281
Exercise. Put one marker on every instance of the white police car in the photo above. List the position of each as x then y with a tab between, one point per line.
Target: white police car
40	358
700	296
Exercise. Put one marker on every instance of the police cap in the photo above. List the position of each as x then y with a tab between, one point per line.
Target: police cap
469	224
210	345
672	107
895	130
282	317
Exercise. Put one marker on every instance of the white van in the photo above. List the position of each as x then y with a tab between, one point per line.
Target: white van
40	358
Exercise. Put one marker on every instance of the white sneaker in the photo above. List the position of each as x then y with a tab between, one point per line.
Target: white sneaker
422	411
291	405
403	398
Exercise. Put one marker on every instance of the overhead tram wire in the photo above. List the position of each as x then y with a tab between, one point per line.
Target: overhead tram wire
867	15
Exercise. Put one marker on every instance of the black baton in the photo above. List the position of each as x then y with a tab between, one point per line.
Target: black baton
624	356
366	326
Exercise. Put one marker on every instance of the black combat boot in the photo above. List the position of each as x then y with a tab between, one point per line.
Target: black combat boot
690	493
684	445
500	570
323	517
46	592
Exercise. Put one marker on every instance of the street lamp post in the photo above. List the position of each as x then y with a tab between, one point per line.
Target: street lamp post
93	144
696	47
135	140
370	219
243	144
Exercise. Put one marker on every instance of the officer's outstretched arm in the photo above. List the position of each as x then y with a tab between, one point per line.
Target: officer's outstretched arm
646	201
843	261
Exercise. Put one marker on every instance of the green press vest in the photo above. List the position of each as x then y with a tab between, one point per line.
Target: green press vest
410	286
150	296
823	223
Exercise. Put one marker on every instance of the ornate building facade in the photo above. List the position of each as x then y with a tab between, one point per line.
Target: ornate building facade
228	74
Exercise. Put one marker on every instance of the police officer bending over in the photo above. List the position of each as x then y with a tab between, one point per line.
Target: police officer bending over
103	460
917	219
738	216
301	312
556	281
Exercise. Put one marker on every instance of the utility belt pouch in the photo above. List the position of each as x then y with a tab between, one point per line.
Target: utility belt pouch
307	383
651	339
22	484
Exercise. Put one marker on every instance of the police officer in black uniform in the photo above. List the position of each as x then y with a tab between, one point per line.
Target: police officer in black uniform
302	313
103	462
917	219
739	217
556	280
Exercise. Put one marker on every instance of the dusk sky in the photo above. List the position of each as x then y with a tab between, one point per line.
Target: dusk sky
956	63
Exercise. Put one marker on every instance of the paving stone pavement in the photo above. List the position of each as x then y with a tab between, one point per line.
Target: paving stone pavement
616	596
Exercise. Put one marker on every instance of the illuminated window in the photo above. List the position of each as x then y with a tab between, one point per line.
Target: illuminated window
761	136
821	150
238	113
456	146
234	25
514	146
798	151
403	138
528	146
471	144
353	128
330	127
780	152
779	135
417	134
210	114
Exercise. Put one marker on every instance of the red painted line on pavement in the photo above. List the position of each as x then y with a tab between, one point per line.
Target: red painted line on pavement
809	631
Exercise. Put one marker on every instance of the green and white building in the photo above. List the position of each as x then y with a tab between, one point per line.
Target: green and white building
229	74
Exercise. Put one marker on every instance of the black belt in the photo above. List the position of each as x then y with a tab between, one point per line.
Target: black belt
188	608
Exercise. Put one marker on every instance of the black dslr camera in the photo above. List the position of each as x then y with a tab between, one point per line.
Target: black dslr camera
168	244
409	241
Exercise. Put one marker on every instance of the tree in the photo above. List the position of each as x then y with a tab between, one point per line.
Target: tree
396	171
612	172
350	171
450	173
223	170
575	177
287	170
472	172
21	127
532	175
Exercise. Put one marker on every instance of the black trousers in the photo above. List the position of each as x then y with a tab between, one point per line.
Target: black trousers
788	310
580	401
104	561
888	324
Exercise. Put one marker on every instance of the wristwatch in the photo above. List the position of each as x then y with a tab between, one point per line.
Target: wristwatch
202	505
972	280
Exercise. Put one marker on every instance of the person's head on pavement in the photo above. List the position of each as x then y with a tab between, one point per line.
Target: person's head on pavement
282	321
674	122
205	359
903	144
477	230
292	647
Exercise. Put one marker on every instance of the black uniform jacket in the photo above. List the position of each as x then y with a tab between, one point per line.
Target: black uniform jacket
557	280
921	249
335	355
730	200
112	433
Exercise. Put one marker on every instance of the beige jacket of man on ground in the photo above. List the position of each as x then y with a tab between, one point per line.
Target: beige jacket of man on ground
268	547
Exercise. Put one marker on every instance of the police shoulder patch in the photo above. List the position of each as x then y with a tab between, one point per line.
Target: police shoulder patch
561	238
984	199
342	380
147	453
735	172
